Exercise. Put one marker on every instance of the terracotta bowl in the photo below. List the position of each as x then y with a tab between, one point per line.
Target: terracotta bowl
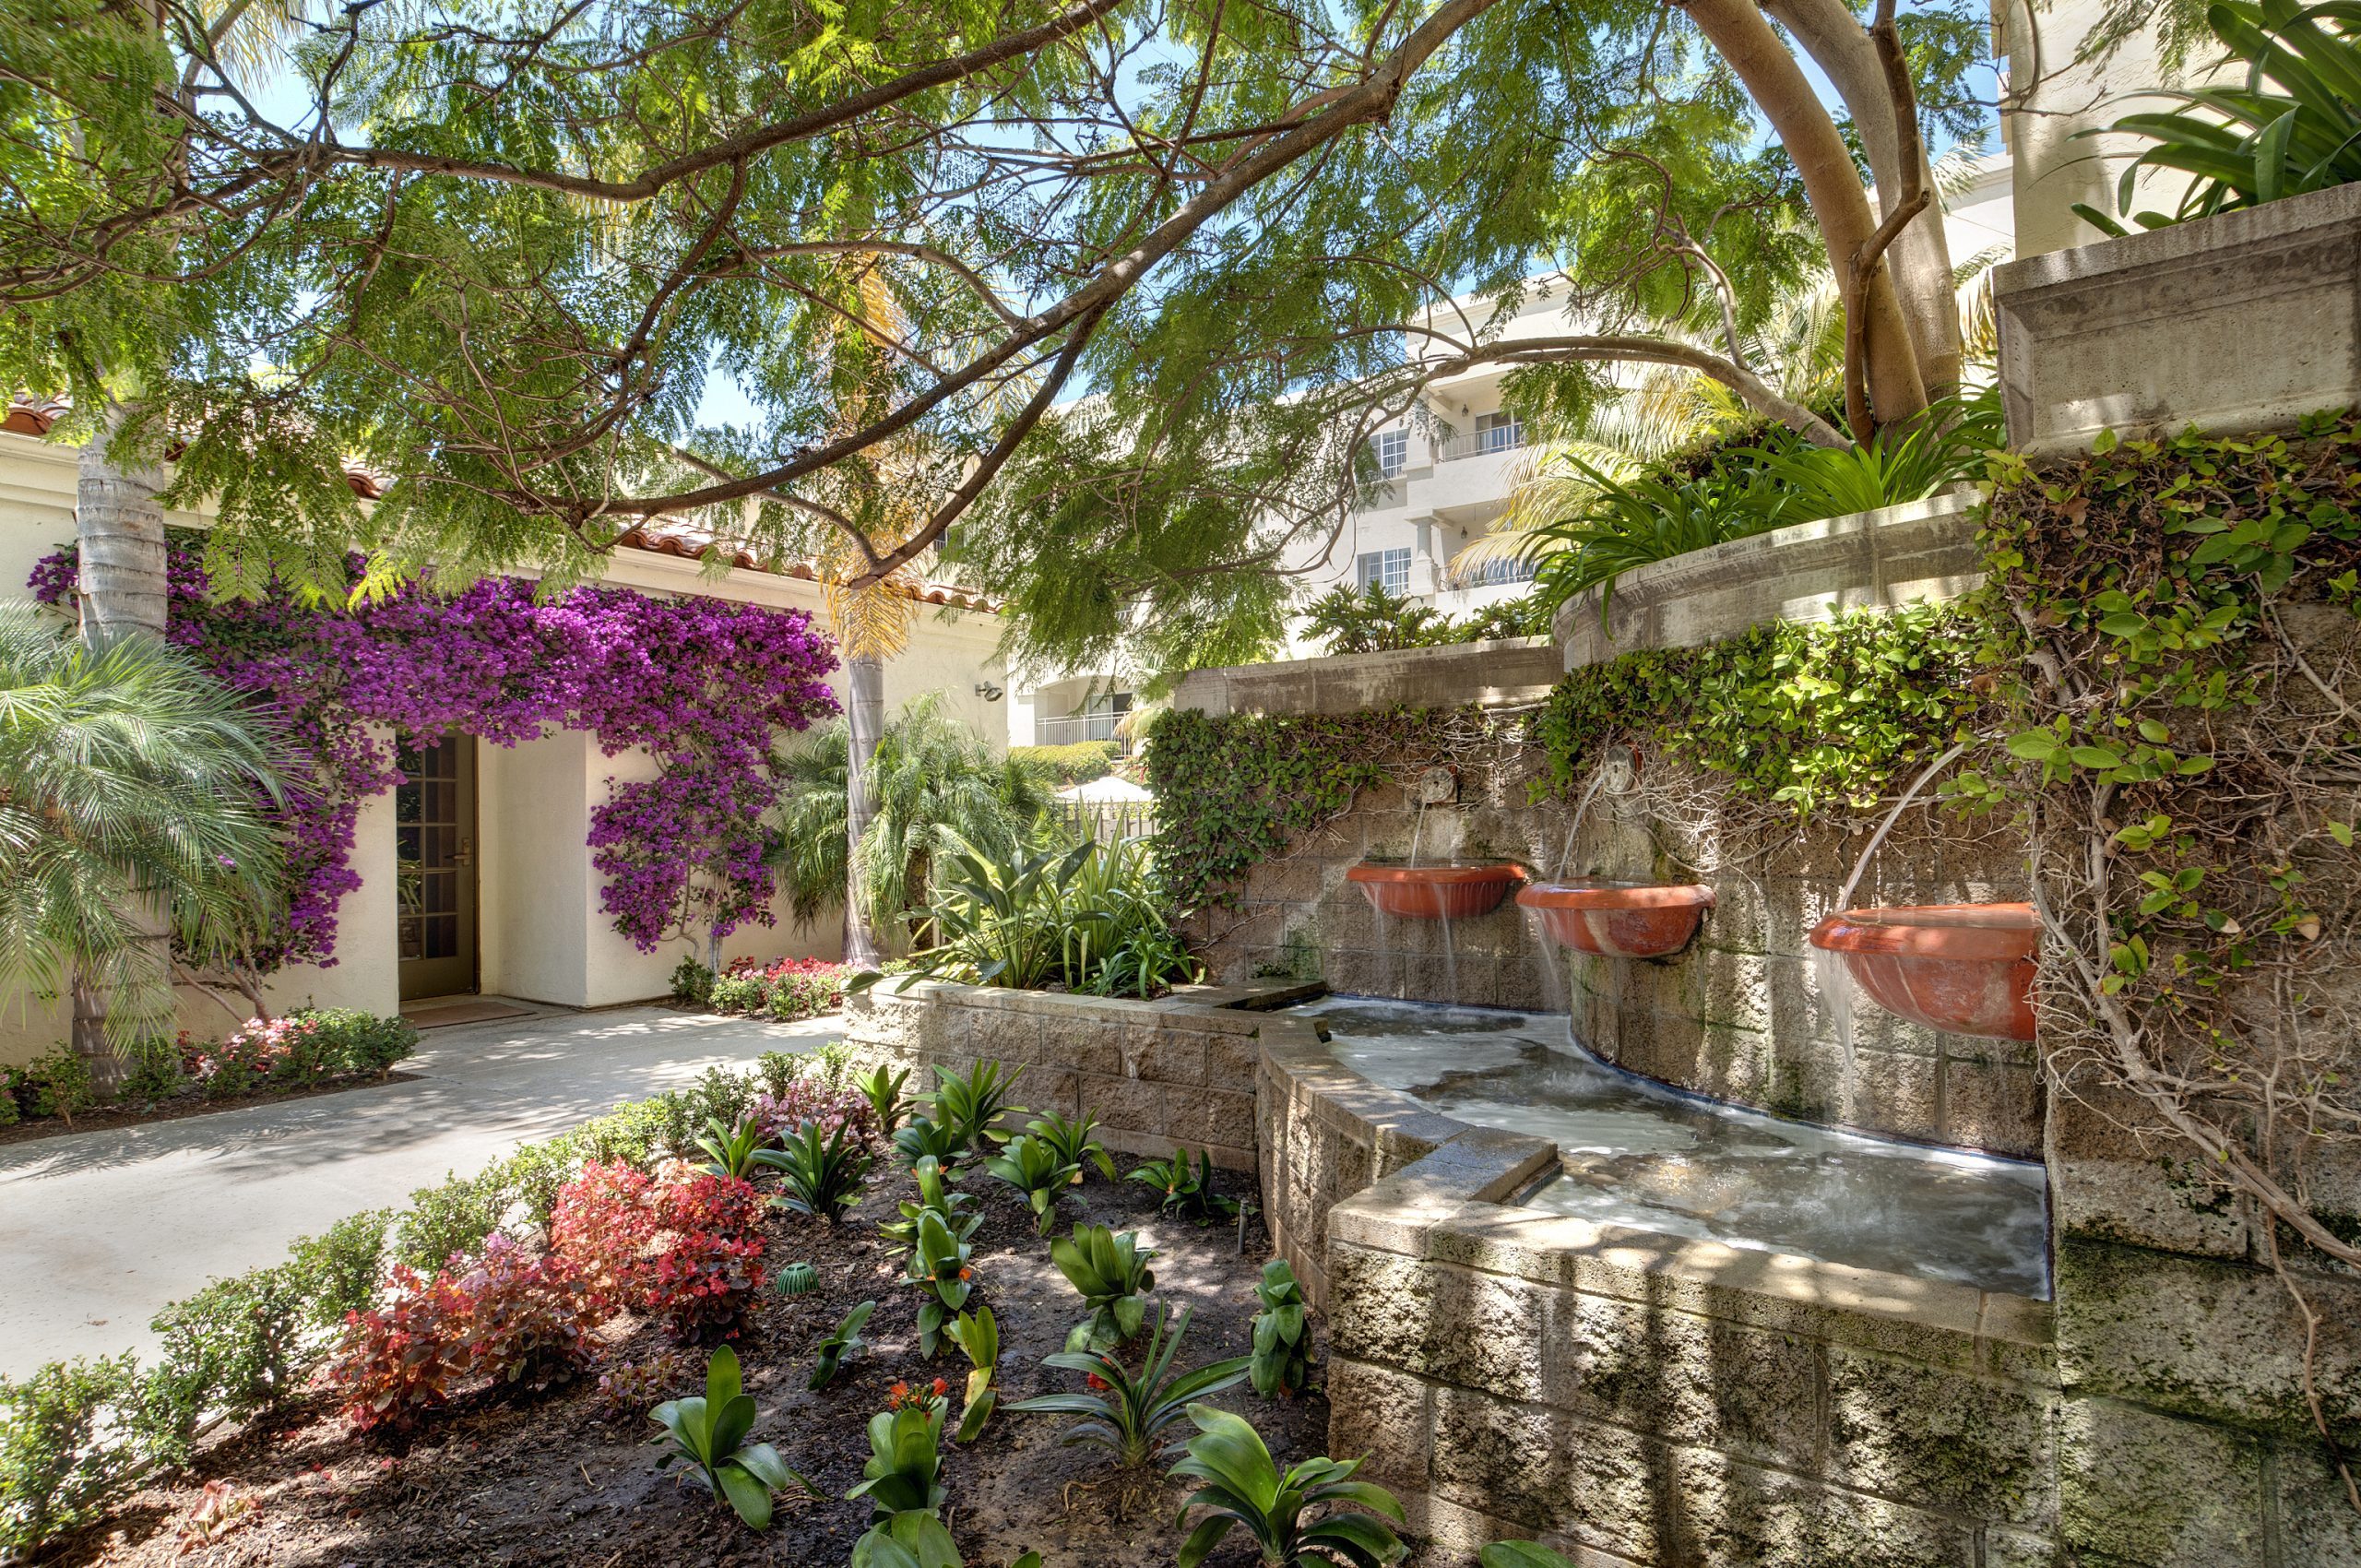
1619	919
1445	892
1964	968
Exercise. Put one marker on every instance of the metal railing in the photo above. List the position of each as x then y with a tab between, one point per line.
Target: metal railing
1492	574
1106	821
1080	727
1481	443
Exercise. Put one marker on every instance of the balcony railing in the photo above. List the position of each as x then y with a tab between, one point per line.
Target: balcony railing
1492	574
1081	727
1501	438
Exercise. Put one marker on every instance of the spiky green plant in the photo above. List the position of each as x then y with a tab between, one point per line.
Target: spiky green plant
134	793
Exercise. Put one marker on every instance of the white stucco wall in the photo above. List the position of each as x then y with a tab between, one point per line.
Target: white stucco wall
542	934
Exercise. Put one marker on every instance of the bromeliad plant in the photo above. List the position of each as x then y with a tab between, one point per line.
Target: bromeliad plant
1032	1167
978	1336
1186	1193
732	1152
939	1268
1128	1416
1243	1487
709	1435
887	1102
822	1174
1073	1139
843	1343
1282	1357
969	1103
1109	1270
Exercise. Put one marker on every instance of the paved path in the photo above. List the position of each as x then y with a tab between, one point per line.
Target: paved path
100	1230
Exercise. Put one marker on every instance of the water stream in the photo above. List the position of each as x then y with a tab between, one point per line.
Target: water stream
1637	1153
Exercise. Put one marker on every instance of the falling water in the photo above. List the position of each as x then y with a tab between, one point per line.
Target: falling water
1416	827
1556	997
1597	777
1828	968
1450	961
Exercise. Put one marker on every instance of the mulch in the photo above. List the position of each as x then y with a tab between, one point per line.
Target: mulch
556	1480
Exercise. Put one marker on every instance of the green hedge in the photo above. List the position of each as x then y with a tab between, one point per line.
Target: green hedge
78	1436
1061	766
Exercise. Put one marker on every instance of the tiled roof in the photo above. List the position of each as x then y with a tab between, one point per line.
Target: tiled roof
28	416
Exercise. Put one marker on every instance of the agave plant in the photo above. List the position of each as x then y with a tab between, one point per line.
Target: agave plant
1243	1488
1128	1419
2295	125
709	1436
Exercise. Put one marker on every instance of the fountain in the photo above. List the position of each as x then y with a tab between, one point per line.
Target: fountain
1439	890
1614	919
1962	968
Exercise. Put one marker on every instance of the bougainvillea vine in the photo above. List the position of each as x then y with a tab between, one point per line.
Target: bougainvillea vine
701	685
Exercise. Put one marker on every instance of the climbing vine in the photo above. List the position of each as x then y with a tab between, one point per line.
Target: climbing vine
1240	789
702	685
1803	715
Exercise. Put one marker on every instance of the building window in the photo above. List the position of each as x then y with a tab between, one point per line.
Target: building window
1499	433
1392	449
1389	569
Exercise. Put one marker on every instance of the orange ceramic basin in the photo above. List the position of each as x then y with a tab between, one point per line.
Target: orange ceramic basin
1619	919
1448	892
1964	969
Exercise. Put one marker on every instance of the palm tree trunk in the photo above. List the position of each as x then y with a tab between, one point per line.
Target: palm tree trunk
119	528
865	721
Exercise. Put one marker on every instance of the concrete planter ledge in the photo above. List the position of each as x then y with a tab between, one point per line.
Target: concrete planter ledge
2245	321
1512	672
1883	560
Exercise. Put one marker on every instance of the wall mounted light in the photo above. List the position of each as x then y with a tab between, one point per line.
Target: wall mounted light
989	692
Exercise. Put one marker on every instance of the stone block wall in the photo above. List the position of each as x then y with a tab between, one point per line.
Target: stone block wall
1158	1074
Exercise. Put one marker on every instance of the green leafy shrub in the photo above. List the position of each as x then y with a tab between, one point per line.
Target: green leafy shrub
1373	620
938	1267
451	1219
56	1083
65	1449
693	983
972	1103
1243	1488
740	993
1282	1333
887	1101
356	1041
1109	1270
709	1435
1126	1412
1059	767
937	1196
922	1138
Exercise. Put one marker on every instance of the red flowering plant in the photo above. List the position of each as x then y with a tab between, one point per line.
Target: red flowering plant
399	1361
601	1225
709	1264
527	1317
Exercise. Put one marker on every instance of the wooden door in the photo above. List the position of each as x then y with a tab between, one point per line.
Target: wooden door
434	815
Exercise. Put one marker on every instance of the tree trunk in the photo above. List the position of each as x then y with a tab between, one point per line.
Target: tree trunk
1743	36
1921	257
119	528
865	721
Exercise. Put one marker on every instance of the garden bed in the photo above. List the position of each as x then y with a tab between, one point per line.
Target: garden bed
556	1479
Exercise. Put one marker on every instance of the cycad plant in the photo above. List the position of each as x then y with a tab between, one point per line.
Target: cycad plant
1293	1518
1126	1412
2294	124
134	794
935	786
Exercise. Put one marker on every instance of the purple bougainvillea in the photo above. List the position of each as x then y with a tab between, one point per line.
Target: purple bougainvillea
703	686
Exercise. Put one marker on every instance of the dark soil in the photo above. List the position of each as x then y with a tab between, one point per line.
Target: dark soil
556	1480
106	1118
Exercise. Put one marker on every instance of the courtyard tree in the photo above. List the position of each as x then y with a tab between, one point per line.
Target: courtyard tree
504	253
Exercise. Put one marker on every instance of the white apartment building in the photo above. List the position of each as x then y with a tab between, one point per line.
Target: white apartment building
1449	468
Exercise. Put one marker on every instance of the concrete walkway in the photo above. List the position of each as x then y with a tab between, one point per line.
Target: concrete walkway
97	1230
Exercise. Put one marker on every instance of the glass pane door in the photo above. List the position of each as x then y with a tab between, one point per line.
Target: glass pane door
435	838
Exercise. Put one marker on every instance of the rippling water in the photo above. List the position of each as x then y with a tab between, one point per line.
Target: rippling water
1637	1153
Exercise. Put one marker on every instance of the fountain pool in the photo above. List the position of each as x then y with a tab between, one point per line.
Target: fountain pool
1637	1154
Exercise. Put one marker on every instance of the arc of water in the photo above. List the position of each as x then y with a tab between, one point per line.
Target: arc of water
1845	894
1581	807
